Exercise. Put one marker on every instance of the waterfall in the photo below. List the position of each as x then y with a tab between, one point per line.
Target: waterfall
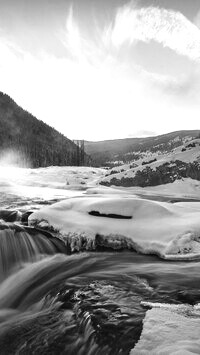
19	246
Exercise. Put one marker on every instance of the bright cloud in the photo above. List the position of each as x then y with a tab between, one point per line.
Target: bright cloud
91	93
73	39
170	28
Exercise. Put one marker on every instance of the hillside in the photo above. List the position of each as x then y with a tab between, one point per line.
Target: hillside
27	141
158	169
121	151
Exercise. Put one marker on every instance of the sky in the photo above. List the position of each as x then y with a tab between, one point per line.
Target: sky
103	69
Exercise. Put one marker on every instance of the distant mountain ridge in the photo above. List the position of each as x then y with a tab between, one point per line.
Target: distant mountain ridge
121	151
32	142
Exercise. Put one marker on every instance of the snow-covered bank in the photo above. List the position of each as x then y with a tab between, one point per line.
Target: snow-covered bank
150	227
182	189
185	188
22	187
56	177
170	329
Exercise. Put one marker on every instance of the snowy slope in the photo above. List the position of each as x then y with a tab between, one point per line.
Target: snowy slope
111	152
183	161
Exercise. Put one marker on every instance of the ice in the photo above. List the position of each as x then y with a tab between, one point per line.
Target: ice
184	188
55	177
169	329
47	184
92	217
165	229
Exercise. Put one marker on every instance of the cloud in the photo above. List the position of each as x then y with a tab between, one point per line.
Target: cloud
142	133
73	40
9	52
167	27
91	93
196	20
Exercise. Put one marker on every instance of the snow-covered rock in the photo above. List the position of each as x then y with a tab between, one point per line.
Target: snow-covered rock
168	230
170	329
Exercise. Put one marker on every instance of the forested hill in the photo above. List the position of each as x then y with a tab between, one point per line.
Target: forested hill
122	151
33	142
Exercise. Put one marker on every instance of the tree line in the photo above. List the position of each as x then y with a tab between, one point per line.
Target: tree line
36	143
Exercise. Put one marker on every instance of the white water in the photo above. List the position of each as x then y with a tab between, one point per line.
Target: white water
60	303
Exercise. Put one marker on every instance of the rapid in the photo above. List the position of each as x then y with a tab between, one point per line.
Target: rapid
90	303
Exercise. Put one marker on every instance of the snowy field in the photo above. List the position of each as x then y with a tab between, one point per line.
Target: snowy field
31	188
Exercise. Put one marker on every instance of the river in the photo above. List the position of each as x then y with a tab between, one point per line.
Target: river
91	303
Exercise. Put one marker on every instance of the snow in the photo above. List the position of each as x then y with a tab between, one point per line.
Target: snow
52	177
168	230
172	231
184	188
48	183
188	156
169	329
181	188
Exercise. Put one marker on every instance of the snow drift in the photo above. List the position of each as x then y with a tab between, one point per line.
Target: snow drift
170	329
84	223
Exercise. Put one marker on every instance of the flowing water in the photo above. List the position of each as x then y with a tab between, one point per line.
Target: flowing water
81	304
54	303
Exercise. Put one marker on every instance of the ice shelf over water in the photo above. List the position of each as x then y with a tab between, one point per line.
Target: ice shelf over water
128	222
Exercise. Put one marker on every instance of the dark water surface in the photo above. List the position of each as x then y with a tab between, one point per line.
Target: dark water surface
83	304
